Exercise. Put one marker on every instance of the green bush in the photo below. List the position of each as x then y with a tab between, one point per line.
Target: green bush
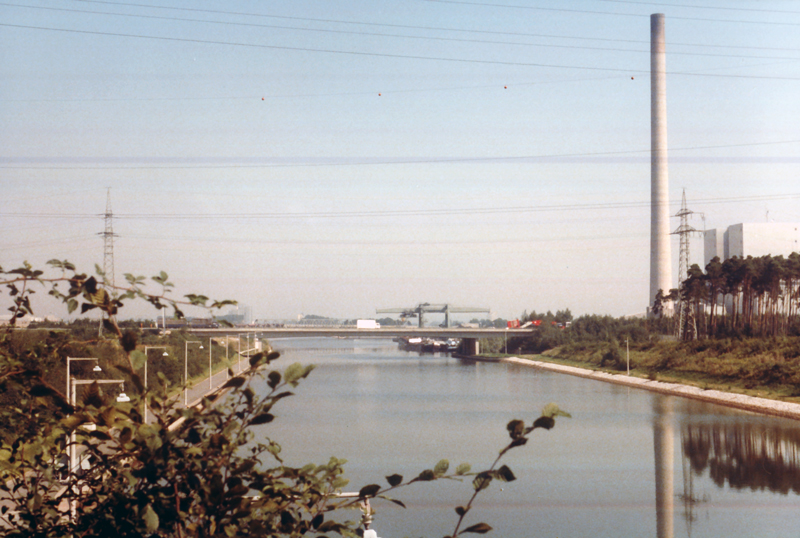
614	357
192	472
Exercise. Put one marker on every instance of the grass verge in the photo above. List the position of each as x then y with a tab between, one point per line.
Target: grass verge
766	368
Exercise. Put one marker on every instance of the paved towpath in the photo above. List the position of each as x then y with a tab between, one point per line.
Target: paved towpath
202	388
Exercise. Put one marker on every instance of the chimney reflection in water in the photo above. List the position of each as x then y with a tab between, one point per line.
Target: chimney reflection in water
663	443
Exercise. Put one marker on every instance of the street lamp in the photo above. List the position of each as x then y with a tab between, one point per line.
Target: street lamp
165	354
70	359
186	370
246	351
628	356
123	398
73	399
210	384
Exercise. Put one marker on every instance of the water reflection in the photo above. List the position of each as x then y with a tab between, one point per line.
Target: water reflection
614	469
735	451
744	455
663	446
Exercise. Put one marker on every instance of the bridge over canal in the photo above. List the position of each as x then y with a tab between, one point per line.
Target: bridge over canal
468	335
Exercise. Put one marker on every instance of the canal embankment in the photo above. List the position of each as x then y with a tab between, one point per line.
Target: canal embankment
739	401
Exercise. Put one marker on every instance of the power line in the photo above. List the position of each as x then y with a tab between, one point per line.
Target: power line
387	55
250	14
618	14
402	213
403	36
381	162
387	242
46	243
347	32
326	51
307	95
715	8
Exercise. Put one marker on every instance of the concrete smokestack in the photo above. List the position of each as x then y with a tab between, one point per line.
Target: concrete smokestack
660	255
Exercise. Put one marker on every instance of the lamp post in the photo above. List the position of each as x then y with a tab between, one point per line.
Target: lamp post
628	356
146	349
210	384
186	370
227	364
246	351
70	359
73	398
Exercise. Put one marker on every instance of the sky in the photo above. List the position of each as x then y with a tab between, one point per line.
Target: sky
334	158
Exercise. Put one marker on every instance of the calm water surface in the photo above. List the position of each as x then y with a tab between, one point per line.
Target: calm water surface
629	463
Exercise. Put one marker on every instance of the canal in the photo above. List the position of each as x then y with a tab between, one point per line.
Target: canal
628	462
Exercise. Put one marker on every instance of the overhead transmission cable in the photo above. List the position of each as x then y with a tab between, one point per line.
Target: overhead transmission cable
609	13
714	8
250	14
404	212
403	26
404	36
506	159
387	55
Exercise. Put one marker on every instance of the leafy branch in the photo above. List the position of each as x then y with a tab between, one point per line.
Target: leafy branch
200	471
109	299
519	434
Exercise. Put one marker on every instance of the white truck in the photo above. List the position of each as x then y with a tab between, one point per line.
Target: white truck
367	324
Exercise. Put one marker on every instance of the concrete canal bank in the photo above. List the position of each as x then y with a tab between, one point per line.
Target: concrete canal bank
739	401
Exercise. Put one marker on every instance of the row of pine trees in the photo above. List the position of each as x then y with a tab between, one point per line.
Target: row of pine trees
749	296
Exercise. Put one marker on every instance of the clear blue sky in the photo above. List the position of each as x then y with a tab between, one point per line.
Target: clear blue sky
320	157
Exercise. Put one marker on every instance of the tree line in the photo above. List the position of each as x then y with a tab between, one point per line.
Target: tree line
751	296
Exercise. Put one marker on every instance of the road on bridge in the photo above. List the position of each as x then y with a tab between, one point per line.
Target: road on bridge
383	332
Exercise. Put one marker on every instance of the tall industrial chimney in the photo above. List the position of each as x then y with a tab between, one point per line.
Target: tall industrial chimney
660	255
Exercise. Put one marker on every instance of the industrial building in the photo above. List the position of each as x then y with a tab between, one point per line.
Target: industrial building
752	239
241	315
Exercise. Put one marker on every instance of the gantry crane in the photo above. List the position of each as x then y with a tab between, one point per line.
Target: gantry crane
423	308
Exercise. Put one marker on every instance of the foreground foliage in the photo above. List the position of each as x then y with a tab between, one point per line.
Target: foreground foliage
188	472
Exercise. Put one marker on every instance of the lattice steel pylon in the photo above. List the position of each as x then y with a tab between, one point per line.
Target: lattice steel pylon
108	246
687	325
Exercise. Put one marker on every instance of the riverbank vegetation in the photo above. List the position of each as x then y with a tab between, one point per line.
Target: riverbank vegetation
190	472
765	366
745	331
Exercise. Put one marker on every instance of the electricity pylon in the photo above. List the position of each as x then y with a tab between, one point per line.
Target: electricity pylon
108	246
108	254
687	324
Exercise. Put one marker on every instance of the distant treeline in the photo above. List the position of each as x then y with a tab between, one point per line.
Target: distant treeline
749	296
553	331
